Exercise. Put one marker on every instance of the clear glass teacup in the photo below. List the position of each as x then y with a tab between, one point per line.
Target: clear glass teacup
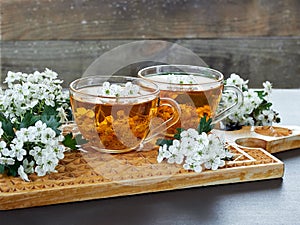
115	114
198	91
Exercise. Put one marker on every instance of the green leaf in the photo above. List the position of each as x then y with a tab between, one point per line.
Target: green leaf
52	122
204	125
2	169
49	110
261	94
49	116
267	105
263	106
28	120
244	89
7	127
71	141
177	135
12	170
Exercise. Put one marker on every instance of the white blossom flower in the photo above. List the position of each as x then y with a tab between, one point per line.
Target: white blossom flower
4	150
11	77
7	161
50	74
40	170
213	164
17	151
188	146
252	97
28	166
2	145
266	117
190	133
116	90
191	164
37	147
163	153
22	173
202	140
33	78
26	91
197	168
130	89
40	126
195	151
62	114
237	81
59	151
24	135
176	156
267	88
36	152
47	136
181	79
251	111
106	89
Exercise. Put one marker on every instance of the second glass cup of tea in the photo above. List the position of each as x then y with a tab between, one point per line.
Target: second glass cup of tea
196	89
115	114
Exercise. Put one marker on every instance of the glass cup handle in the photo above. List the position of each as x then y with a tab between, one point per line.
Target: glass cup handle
169	122
231	109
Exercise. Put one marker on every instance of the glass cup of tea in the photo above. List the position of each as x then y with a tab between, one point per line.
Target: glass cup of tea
197	90
116	114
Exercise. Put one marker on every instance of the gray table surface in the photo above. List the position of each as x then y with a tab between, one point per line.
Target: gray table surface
275	201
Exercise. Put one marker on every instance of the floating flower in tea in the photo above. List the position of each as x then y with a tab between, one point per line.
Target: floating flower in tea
116	90
181	79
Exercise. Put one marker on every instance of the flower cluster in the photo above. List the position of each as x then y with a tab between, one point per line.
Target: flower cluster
116	90
181	79
32	92
196	151
256	108
32	108
33	149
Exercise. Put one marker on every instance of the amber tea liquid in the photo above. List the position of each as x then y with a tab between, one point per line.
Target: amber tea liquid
194	100
112	124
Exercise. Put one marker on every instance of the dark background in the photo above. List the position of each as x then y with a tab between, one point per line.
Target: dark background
258	39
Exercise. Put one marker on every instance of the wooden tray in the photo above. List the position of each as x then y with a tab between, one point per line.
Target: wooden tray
272	139
93	175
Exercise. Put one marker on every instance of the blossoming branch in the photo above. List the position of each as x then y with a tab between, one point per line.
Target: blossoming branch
196	149
32	109
256	109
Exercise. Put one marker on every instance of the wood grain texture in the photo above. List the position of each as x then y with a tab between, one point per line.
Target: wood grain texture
93	175
134	19
273	139
256	59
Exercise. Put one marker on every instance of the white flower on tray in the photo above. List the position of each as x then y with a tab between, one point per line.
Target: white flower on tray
195	149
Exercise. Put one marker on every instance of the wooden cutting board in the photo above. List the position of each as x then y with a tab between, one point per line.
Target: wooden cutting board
272	139
93	175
